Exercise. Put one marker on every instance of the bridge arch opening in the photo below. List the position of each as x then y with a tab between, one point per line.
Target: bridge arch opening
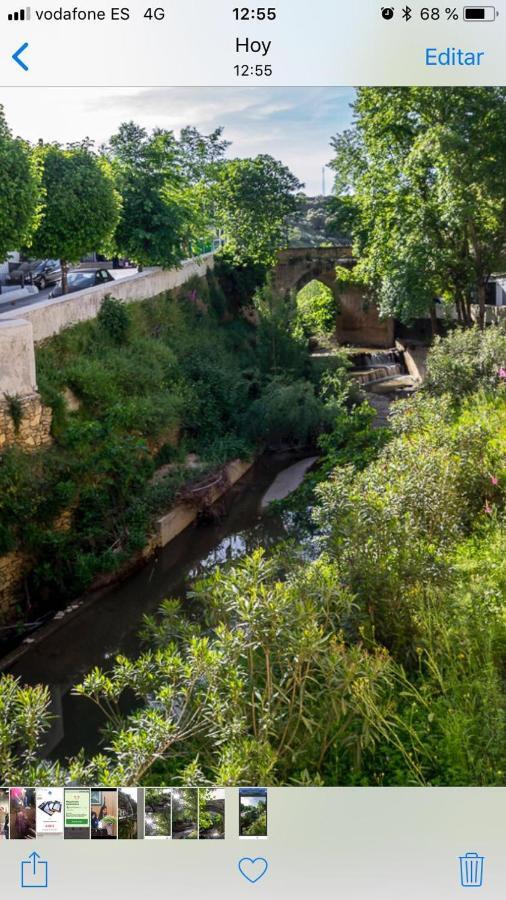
317	308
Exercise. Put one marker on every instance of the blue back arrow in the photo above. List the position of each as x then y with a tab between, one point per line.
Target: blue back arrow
17	56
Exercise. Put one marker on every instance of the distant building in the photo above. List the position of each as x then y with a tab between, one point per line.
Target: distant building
4	266
496	290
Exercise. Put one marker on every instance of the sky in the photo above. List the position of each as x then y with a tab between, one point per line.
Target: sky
294	125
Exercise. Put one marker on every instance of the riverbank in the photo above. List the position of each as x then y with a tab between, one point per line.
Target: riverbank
180	384
95	628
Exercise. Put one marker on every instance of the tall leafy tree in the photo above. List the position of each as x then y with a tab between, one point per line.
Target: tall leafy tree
252	198
160	215
200	151
426	169
81	206
19	190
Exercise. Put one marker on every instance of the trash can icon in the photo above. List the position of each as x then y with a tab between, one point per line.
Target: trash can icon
471	870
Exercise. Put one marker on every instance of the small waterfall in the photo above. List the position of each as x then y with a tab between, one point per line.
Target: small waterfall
376	365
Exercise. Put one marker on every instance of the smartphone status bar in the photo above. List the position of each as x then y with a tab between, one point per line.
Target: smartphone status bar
287	43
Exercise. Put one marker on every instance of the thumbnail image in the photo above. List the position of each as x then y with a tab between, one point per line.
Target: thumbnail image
130	813
104	814
157	813
76	814
4	814
49	812
211	814
185	814
22	817
253	812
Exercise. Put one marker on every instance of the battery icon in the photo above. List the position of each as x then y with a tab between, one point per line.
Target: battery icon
480	13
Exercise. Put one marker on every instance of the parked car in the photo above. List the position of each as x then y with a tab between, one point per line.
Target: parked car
40	272
22	272
46	272
82	281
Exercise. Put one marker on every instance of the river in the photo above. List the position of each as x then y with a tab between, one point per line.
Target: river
102	625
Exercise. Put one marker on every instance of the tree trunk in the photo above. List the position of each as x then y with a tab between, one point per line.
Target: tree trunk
482	296
459	303
468	312
64	274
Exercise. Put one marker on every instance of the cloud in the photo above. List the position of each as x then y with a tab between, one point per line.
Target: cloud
292	124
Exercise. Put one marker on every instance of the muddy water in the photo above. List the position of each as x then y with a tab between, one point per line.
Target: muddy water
107	624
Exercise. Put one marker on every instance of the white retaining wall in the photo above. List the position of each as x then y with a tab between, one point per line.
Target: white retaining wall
17	358
49	317
19	332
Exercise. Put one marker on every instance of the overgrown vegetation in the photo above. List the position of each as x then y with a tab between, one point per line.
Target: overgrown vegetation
379	662
147	384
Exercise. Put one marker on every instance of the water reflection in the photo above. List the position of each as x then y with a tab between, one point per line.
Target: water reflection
110	623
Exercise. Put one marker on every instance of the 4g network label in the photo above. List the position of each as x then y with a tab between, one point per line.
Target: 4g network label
112	14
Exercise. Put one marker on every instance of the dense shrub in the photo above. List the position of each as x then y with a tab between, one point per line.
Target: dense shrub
286	414
114	320
393	524
467	360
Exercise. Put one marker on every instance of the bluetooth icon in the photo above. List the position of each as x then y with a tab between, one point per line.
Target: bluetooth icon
406	13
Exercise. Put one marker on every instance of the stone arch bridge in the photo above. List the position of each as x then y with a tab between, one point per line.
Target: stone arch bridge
358	321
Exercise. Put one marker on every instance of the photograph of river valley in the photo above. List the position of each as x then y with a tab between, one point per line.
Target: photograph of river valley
252	441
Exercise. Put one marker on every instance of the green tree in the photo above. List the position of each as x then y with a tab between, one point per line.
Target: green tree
200	151
81	206
19	190
161	209
425	167
252	198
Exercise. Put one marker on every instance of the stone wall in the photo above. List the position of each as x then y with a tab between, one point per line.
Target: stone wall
13	567
34	428
359	322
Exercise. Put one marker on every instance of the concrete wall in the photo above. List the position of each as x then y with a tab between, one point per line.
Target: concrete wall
49	317
17	358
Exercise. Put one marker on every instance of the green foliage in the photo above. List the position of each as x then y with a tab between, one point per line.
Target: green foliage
155	381
24	720
424	168
286	413
114	320
15	408
270	691
19	191
316	309
379	662
252	198
393	525
240	282
318	222
467	361
160	213
81	206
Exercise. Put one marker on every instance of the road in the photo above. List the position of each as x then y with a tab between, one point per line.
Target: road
7	305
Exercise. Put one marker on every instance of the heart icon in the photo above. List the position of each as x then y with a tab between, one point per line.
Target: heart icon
253	869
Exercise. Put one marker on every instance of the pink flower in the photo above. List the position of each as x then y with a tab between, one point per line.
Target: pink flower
494	480
502	373
488	509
